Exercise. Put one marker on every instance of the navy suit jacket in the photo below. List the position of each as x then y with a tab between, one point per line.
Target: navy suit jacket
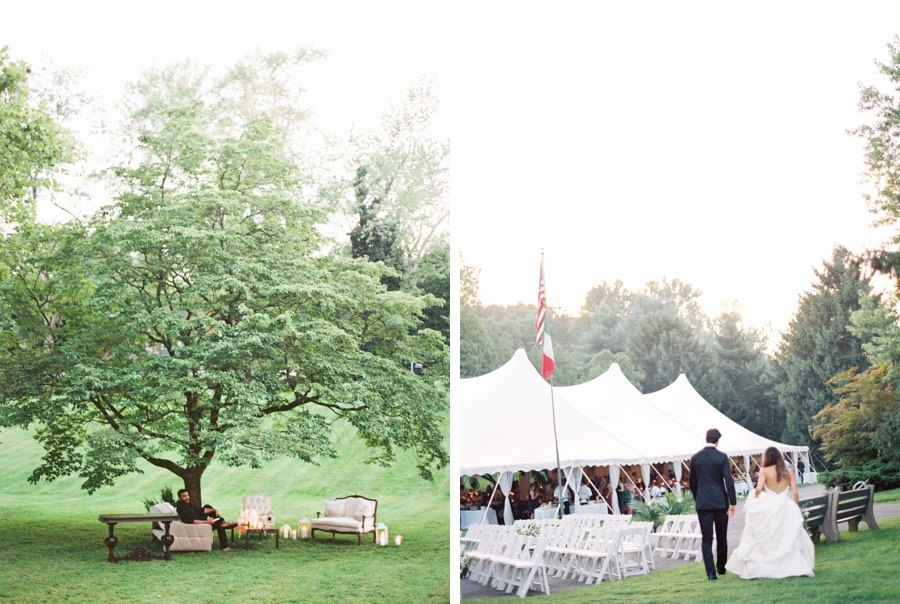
710	480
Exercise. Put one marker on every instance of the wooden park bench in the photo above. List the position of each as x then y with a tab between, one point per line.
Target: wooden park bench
824	513
815	512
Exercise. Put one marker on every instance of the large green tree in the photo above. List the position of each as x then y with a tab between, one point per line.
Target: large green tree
882	154
818	345
741	381
399	201
201	316
31	142
860	431
400	187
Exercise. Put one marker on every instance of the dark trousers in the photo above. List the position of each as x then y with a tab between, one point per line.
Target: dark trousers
719	520
223	536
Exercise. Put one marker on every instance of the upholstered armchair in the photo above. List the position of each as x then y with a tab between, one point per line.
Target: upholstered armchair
263	505
188	537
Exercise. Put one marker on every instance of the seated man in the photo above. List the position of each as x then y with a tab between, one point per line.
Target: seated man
208	515
584	493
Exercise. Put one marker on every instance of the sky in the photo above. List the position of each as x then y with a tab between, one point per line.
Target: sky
370	64
703	141
640	141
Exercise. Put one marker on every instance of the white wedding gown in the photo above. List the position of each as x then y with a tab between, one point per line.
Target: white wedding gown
774	543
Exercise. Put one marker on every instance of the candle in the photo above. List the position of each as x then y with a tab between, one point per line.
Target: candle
398	539
293	533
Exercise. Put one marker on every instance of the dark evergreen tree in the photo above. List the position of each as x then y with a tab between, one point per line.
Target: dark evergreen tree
818	344
664	345
477	355
741	383
434	279
374	237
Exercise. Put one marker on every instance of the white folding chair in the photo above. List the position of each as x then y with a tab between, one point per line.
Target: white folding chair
520	565
592	560
631	553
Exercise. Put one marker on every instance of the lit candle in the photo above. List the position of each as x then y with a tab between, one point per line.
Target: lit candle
381	534
293	533
398	539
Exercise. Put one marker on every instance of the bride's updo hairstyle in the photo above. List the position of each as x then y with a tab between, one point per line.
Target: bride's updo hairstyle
772	457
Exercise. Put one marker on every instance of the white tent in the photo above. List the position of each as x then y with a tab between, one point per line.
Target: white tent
508	426
613	402
681	404
507	423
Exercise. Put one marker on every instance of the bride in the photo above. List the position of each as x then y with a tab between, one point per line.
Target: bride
774	543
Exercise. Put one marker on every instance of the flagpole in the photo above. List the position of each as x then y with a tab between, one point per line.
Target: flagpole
542	314
556	444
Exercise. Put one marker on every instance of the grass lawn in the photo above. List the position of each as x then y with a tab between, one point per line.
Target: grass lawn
52	550
862	567
887	496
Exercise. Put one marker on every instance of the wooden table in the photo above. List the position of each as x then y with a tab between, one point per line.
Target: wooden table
140	552
260	532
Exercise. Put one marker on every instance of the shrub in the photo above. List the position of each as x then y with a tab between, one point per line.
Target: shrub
659	509
165	494
879	472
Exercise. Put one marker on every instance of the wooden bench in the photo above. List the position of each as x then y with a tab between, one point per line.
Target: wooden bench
825	512
815	511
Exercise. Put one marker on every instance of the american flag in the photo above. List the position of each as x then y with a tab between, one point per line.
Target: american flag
541	309
541	337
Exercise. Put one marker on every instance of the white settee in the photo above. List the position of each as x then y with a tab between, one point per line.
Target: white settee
188	537
354	515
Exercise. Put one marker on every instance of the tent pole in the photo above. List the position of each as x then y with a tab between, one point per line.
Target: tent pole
665	480
488	506
743	476
687	467
596	490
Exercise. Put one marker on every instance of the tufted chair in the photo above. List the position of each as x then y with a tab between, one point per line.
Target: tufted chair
261	504
188	537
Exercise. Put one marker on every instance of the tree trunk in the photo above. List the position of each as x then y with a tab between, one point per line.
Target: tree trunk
191	479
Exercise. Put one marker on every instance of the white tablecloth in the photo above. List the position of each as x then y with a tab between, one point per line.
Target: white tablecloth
470	517
545	513
741	487
592	508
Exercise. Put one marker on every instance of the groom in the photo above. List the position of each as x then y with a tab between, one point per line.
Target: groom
713	490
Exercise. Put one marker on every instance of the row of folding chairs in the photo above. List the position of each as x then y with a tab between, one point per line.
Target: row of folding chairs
678	537
585	520
507	560
587	549
612	549
472	537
